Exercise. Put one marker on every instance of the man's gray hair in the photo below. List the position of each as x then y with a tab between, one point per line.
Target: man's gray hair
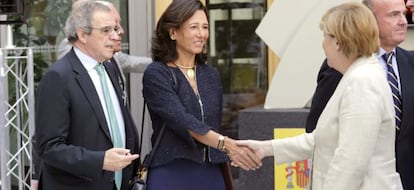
81	17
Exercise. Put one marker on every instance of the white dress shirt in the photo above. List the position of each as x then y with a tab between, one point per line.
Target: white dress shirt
89	63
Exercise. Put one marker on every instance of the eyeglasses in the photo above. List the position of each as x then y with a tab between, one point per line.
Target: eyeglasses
109	30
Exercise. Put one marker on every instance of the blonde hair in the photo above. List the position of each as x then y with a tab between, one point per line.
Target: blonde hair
355	28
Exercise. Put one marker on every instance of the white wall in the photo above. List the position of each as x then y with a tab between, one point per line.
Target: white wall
409	40
293	33
141	24
300	49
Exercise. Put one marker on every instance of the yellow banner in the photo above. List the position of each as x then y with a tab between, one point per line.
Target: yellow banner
293	175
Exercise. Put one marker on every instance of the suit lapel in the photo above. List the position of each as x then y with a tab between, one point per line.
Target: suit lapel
112	71
113	75
89	90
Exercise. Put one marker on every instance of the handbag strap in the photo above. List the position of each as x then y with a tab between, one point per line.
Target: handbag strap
148	158
142	128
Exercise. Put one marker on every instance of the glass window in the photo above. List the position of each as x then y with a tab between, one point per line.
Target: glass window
42	27
239	55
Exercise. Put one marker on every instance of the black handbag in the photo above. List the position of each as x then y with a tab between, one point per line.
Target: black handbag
139	181
138	184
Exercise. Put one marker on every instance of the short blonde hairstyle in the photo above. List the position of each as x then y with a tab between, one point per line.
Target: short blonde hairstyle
355	28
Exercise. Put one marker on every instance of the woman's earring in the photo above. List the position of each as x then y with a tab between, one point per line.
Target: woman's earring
172	37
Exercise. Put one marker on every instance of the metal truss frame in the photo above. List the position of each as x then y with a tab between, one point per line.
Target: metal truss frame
16	117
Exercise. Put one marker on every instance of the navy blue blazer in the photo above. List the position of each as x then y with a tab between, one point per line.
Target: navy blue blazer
404	144
71	131
178	106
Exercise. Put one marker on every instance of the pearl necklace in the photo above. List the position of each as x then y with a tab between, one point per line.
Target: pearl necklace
190	70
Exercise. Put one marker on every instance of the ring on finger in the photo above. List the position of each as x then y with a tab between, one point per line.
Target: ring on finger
226	151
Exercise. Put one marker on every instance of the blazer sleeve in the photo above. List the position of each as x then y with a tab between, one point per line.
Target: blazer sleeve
293	148
131	63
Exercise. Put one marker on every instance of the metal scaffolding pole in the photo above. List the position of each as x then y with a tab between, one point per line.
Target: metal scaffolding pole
16	117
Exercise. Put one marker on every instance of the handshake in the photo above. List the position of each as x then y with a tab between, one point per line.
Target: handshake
246	154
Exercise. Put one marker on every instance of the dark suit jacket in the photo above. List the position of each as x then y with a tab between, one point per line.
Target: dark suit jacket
71	131
404	145
405	137
327	81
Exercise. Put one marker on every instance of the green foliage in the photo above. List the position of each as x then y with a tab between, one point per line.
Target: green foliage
42	22
47	17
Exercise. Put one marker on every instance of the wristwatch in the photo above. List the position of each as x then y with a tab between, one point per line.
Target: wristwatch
220	144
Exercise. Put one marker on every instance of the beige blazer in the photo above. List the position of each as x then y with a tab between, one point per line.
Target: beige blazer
353	143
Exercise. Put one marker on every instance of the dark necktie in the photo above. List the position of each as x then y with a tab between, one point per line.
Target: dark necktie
393	82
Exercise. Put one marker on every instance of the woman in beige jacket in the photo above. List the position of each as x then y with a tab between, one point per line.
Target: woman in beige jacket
352	146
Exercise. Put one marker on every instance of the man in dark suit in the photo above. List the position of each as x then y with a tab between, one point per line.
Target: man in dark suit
75	125
392	24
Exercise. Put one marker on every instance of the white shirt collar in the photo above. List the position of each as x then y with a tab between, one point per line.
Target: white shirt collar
382	51
87	61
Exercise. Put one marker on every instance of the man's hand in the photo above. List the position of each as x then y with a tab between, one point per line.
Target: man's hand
118	158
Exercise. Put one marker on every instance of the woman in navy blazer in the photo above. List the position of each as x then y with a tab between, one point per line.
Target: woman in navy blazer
191	149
